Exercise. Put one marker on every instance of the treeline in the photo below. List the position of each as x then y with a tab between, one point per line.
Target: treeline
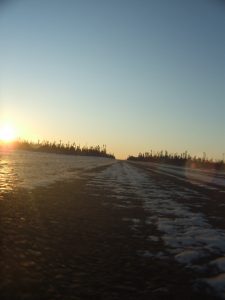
61	148
183	159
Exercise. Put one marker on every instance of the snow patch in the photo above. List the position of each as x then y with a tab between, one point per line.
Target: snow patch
187	235
187	257
218	284
219	263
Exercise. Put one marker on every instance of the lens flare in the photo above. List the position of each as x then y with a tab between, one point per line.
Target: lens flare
7	133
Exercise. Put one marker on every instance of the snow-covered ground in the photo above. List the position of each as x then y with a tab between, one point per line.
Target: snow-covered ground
31	169
207	178
185	231
187	235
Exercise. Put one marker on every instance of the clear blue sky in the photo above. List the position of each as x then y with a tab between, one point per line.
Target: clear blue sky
135	75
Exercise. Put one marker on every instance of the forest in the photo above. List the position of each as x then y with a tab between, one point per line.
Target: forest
59	148
182	159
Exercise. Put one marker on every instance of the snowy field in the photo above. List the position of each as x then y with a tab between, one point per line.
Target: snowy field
23	169
207	178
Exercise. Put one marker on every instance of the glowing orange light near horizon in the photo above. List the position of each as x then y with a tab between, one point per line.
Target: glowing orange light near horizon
7	133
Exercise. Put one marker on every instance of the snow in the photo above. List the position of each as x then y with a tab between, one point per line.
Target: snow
218	284
219	264
212	180
187	257
187	235
29	170
153	238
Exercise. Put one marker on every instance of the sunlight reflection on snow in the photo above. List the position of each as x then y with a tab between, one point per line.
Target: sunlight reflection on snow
28	169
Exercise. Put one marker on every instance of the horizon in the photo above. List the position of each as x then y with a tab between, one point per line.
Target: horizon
10	144
132	76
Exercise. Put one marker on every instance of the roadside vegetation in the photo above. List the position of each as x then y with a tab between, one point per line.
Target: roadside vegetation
183	159
59	148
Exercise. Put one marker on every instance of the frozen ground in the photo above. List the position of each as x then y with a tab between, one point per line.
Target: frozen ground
208	178
183	208
175	211
24	169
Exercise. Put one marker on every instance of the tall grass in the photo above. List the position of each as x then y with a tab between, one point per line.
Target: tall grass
183	159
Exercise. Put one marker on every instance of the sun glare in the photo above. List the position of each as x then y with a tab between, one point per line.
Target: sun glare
7	133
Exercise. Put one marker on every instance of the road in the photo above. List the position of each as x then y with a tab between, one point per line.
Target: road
115	230
185	206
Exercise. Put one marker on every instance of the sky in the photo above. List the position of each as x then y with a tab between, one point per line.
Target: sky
135	75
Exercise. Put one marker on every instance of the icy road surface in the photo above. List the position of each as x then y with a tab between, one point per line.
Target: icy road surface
175	208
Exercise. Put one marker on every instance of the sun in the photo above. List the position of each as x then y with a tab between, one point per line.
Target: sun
7	133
